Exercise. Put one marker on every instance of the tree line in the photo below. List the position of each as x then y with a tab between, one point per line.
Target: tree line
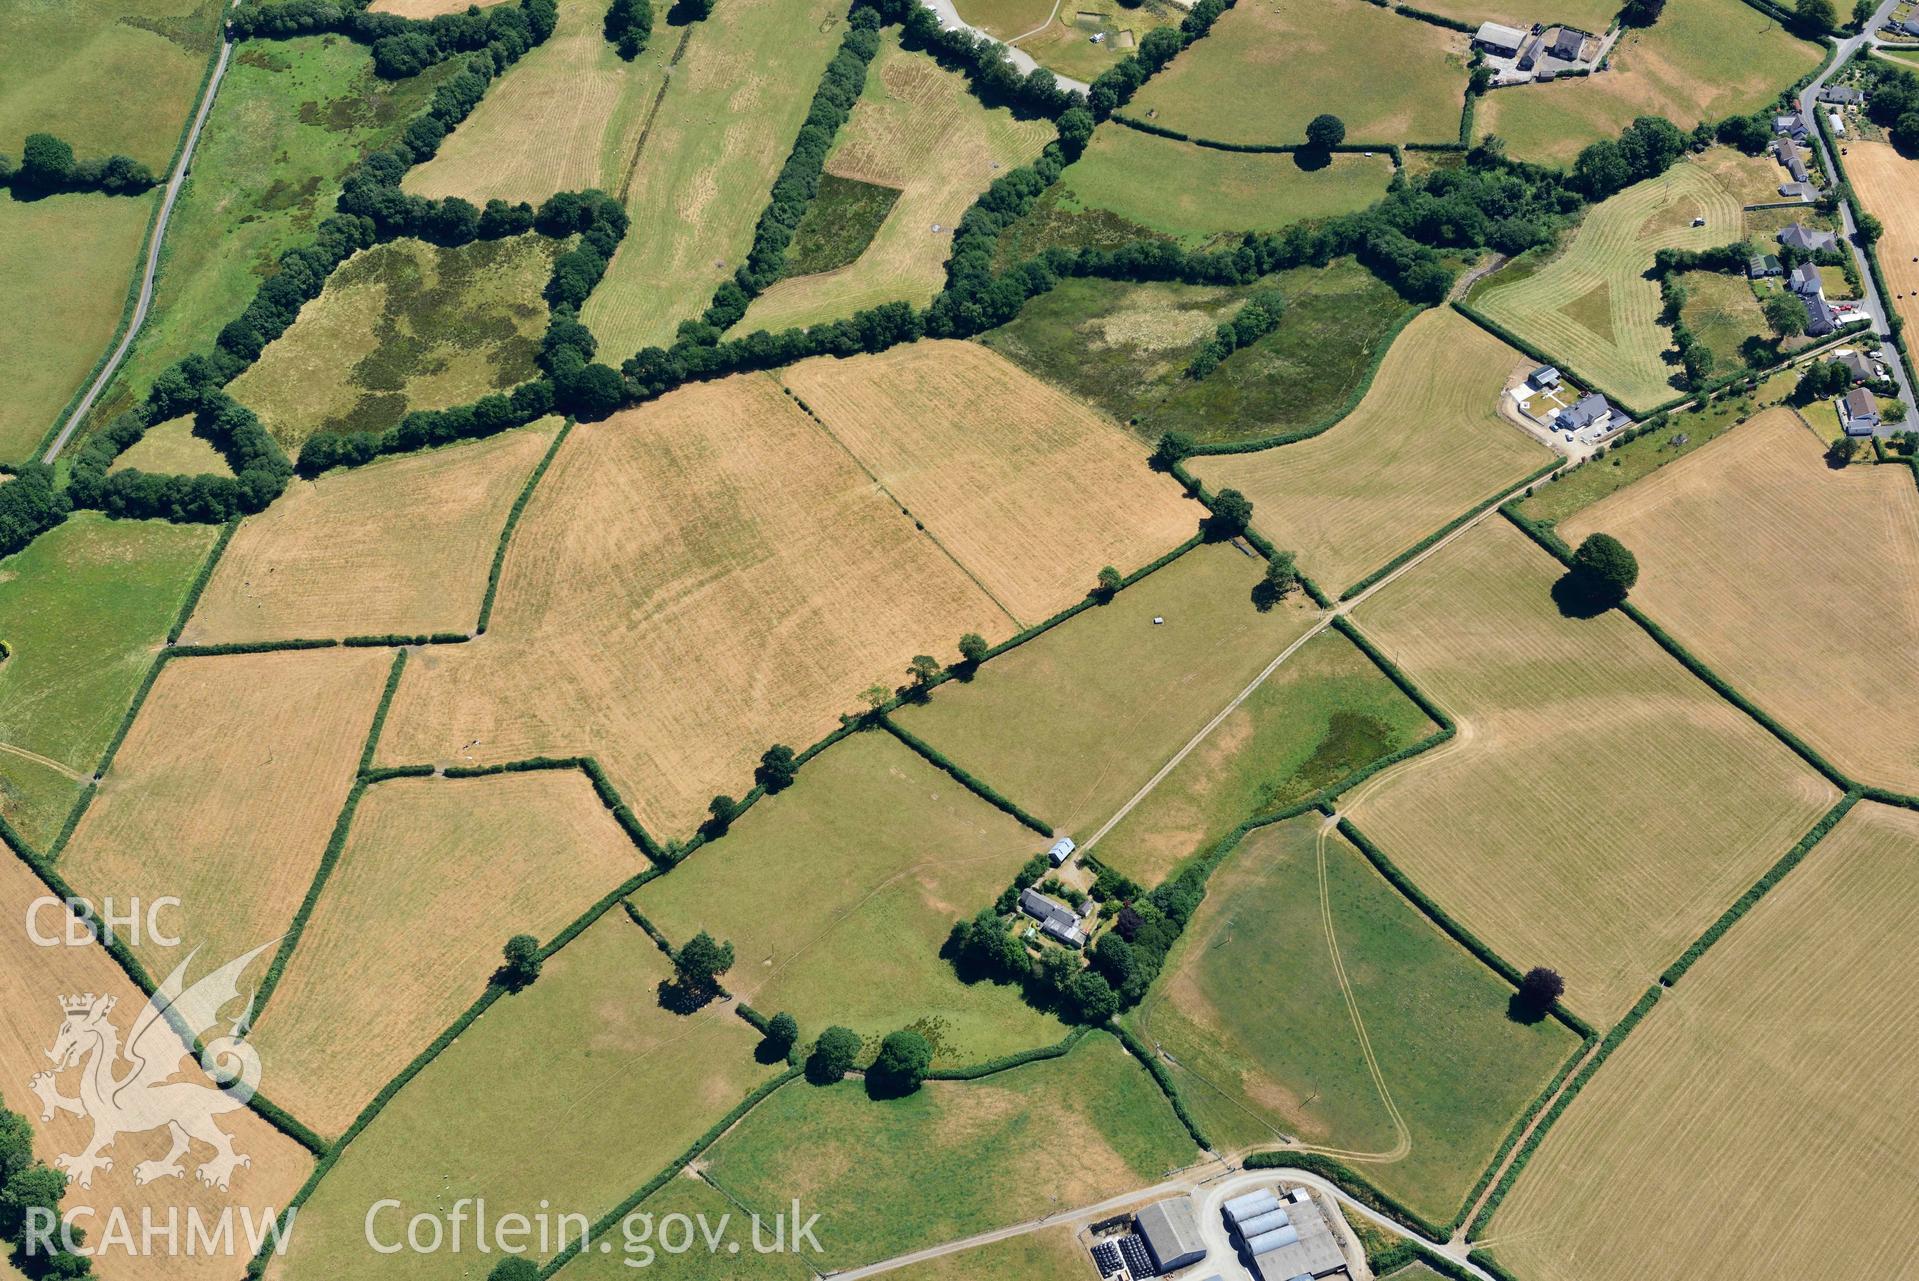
401	46
47	166
27	1185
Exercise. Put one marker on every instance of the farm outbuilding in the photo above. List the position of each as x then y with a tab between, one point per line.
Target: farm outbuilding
1544	377
1498	38
1242	1209
1062	850
1171	1232
1305	1247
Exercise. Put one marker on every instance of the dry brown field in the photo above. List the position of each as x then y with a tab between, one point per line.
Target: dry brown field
1028	489
33	980
1798	584
225	792
427	8
1758	1123
172	447
399	546
1753	180
693	580
1425	445
455	867
1887	184
919	129
1600	806
590	107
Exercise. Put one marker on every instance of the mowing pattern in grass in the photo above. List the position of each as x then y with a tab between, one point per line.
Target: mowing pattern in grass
65	263
1071	725
887	1178
224	794
572	1093
455	866
290	117
1782	1059
106	75
1308	999
1703	60
1425	445
1592	306
399	547
171	447
83	607
1601	806
1271	66
566	117
668	605
32	981
404	325
1754	180
917	128
1723	314
839	224
699	181
1887	185
875	853
1798	584
1324	714
981	453
1125	347
1196	193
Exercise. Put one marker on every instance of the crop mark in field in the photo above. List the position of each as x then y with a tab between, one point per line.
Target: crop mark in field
47	761
639	144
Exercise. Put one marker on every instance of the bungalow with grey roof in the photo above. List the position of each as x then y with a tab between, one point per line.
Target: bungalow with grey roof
1789	126
1821	318
1841	94
1810	239
1860	412
1859	365
1566	45
1804	280
1591	411
1544	377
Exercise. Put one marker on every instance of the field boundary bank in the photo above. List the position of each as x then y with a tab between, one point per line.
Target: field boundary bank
513	520
148	259
1266	148
1665	981
940	761
646	130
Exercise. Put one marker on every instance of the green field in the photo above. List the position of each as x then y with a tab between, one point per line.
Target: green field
171	447
1591	307
839	224
1309	1000
83	609
290	117
1072	723
1325	713
106	75
732	107
404	325
65	266
1703	60
873	854
574	1093
957	1157
1196	193
1048	1254
1723	313
1269	67
644	1230
1623	464
1124	348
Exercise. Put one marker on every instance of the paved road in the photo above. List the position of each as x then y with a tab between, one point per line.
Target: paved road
145	301
951	21
1875	300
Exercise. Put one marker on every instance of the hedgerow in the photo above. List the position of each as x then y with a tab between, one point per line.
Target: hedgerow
403	46
972	784
47	165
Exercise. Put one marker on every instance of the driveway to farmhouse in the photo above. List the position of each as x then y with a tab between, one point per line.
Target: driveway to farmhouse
951	21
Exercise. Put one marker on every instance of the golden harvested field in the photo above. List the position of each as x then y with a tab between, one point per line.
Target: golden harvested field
1798	584
33	979
1425	445
398	546
734	103
172	447
1592	306
1777	1075
1703	60
1029	490
693	580
1072	723
455	867
1887	184
1269	66
590	107
1601	806
225	792
919	129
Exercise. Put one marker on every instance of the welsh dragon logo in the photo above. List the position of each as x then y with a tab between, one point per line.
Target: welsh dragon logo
128	1089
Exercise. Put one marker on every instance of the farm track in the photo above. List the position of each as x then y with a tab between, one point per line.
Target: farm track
145	301
48	761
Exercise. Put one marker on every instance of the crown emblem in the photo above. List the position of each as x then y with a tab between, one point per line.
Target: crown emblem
77	1004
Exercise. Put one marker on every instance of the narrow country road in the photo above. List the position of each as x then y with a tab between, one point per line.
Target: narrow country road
145	301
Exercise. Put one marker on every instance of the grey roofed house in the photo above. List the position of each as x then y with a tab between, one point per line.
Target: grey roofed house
1499	38
1862	412
1789	126
1590	411
1055	918
1810	239
1567	44
1822	319
1797	190
1797	168
1841	94
1860	366
1543	377
1312	1252
1910	26
1764	265
1804	279
1171	1232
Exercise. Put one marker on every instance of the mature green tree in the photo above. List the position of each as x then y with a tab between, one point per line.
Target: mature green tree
1869	228
782	1031
1641	13
832	1055
922	669
900	1066
37	1186
522	961
778	766
1905	133
1092	998
1232	513
16	1144
1697	361
1279	582
701	962
1110	581
1862	11
721	811
1605	568
876	697
1817	16
1540	987
1842	451
1325	131
516	1267
1170	448
972	648
46	163
1786	315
